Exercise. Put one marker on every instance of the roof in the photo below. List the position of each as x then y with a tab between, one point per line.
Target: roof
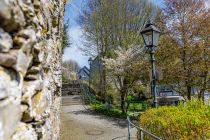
85	69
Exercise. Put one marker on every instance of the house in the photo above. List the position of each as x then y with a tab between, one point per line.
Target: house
95	67
168	96
84	73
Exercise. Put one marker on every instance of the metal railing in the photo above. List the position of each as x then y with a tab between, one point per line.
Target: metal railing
87	96
142	132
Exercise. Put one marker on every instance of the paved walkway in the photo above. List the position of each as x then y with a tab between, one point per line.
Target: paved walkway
79	123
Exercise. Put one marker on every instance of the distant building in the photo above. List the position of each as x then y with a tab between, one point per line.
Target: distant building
95	73
84	73
95	67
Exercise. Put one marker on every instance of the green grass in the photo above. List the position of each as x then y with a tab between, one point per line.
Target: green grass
115	110
136	107
107	110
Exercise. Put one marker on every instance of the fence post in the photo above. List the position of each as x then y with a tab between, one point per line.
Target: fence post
129	135
141	134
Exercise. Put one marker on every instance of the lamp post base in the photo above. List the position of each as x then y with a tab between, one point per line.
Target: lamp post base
155	104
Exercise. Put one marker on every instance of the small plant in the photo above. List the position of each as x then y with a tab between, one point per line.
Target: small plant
108	110
189	121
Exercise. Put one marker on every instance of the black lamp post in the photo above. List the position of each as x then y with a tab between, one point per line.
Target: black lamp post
151	35
90	63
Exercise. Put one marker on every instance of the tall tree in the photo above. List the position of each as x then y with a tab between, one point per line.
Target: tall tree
109	24
183	51
127	69
69	70
65	37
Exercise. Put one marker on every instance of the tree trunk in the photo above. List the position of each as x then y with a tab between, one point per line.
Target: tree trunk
189	92
100	75
199	94
123	102
123	93
103	90
204	87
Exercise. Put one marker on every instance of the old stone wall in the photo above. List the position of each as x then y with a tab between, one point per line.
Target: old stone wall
30	75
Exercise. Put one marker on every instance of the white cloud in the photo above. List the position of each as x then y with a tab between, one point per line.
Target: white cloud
73	52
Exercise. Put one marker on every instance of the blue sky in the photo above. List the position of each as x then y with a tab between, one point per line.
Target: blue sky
73	9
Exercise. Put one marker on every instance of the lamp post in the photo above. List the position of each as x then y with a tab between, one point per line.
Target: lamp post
151	35
90	62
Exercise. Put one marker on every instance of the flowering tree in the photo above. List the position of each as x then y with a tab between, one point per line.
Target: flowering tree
111	23
69	70
126	69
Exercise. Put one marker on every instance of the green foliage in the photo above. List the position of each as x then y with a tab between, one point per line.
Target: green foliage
114	110
189	121
184	60
95	82
44	31
107	110
64	79
65	37
135	104
65	1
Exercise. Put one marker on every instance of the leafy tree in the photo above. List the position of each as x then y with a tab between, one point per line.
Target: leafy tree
69	70
127	69
65	37
183	54
107	27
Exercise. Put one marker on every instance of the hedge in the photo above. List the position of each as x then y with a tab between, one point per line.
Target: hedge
188	121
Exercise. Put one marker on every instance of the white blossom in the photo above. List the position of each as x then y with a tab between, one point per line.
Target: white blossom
117	66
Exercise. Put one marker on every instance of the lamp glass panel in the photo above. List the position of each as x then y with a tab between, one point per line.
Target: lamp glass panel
148	38
156	36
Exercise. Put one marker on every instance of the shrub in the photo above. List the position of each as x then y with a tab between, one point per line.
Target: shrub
189	121
107	109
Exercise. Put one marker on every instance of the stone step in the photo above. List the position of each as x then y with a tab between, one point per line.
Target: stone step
71	100
71	104
76	99
71	89
67	98
64	101
71	93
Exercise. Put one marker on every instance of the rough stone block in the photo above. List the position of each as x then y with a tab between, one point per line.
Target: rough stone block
17	60
10	117
34	70
10	95
24	132
39	104
8	59
9	81
34	99
11	15
30	88
5	41
23	62
25	39
30	77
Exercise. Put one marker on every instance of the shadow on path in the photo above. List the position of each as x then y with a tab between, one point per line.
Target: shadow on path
80	123
122	123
